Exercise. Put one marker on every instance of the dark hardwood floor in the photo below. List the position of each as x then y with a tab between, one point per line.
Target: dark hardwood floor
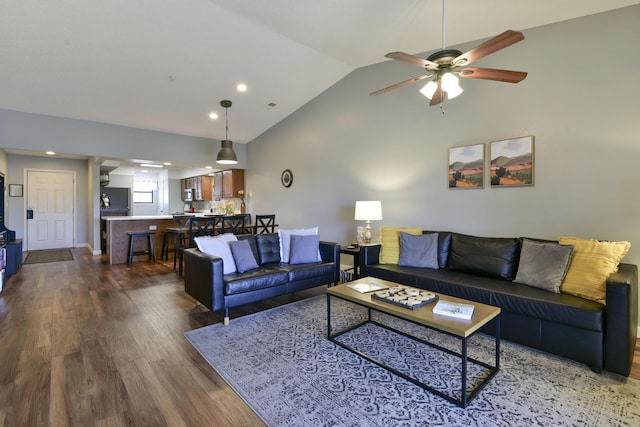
83	343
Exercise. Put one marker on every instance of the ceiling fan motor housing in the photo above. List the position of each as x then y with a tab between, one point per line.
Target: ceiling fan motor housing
443	57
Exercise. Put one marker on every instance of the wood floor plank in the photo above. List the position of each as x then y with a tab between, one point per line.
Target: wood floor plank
84	343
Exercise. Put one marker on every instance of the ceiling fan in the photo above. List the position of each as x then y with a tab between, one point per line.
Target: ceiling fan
445	64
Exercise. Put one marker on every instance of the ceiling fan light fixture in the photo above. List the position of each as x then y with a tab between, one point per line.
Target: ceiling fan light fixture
449	81
454	91
226	155
429	89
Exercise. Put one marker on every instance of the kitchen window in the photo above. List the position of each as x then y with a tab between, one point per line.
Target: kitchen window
143	190
143	197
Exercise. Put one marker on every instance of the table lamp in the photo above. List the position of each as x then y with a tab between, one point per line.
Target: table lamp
368	211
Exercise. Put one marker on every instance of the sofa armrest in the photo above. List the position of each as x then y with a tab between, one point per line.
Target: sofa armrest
369	255
621	319
203	278
330	252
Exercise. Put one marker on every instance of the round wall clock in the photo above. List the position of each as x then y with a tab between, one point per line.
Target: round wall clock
286	178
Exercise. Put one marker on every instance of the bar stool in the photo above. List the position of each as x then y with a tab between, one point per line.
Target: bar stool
132	240
179	233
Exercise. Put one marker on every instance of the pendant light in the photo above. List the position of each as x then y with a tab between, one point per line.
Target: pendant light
226	155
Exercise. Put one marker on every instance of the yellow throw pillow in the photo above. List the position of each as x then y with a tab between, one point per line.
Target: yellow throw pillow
390	240
591	263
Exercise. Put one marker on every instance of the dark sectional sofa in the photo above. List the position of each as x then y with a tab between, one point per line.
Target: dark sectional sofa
205	281
601	336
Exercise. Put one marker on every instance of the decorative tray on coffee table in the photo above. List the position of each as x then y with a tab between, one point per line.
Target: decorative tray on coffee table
405	296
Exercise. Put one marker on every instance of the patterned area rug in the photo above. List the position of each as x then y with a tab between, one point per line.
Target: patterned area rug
48	255
281	364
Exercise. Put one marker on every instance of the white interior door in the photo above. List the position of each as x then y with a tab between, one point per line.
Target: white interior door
51	197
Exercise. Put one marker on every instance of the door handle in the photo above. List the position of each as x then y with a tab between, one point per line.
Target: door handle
29	213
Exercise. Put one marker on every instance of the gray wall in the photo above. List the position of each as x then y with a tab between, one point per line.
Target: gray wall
36	132
580	101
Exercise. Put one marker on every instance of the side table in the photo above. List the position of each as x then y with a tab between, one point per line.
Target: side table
355	252
14	256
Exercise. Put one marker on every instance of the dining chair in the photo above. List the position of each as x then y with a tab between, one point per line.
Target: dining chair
200	226
233	224
265	224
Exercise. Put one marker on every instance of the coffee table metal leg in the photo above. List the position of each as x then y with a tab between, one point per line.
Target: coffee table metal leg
463	396
328	316
497	343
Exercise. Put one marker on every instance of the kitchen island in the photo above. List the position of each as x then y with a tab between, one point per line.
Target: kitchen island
118	240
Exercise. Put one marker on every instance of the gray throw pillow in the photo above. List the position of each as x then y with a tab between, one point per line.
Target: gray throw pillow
304	249
543	265
243	256
419	250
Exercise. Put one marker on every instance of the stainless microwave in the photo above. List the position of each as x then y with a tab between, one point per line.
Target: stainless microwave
188	195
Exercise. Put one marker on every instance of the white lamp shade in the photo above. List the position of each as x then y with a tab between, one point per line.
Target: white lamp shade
429	89
368	211
449	81
454	91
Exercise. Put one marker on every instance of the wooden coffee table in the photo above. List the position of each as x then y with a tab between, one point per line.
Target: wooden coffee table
462	329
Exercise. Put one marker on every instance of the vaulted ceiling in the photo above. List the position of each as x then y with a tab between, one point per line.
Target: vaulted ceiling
165	65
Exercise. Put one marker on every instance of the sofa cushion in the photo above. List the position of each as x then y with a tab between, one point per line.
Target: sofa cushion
219	246
251	238
285	241
418	250
259	278
592	262
390	240
268	248
298	272
243	256
543	265
444	244
487	256
511	297
304	249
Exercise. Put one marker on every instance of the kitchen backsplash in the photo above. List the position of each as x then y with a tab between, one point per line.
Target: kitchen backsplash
215	206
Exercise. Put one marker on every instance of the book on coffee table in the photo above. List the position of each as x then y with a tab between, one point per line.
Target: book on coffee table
454	309
367	287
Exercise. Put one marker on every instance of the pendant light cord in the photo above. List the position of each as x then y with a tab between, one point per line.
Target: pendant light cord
226	123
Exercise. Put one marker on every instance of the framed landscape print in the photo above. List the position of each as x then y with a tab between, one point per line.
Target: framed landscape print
466	166
512	163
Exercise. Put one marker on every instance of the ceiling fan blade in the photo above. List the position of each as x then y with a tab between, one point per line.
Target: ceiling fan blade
397	85
500	41
411	59
437	95
493	74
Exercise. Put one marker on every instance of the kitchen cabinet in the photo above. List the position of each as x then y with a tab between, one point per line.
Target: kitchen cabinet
228	183
202	187
205	185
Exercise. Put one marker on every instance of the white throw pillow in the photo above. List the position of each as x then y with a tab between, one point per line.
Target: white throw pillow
219	246
285	241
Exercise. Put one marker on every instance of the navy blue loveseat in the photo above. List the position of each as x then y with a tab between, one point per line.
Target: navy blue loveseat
205	281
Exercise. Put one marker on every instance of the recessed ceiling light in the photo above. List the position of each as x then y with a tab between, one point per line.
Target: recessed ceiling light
207	167
146	165
167	163
241	87
144	171
51	153
213	116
